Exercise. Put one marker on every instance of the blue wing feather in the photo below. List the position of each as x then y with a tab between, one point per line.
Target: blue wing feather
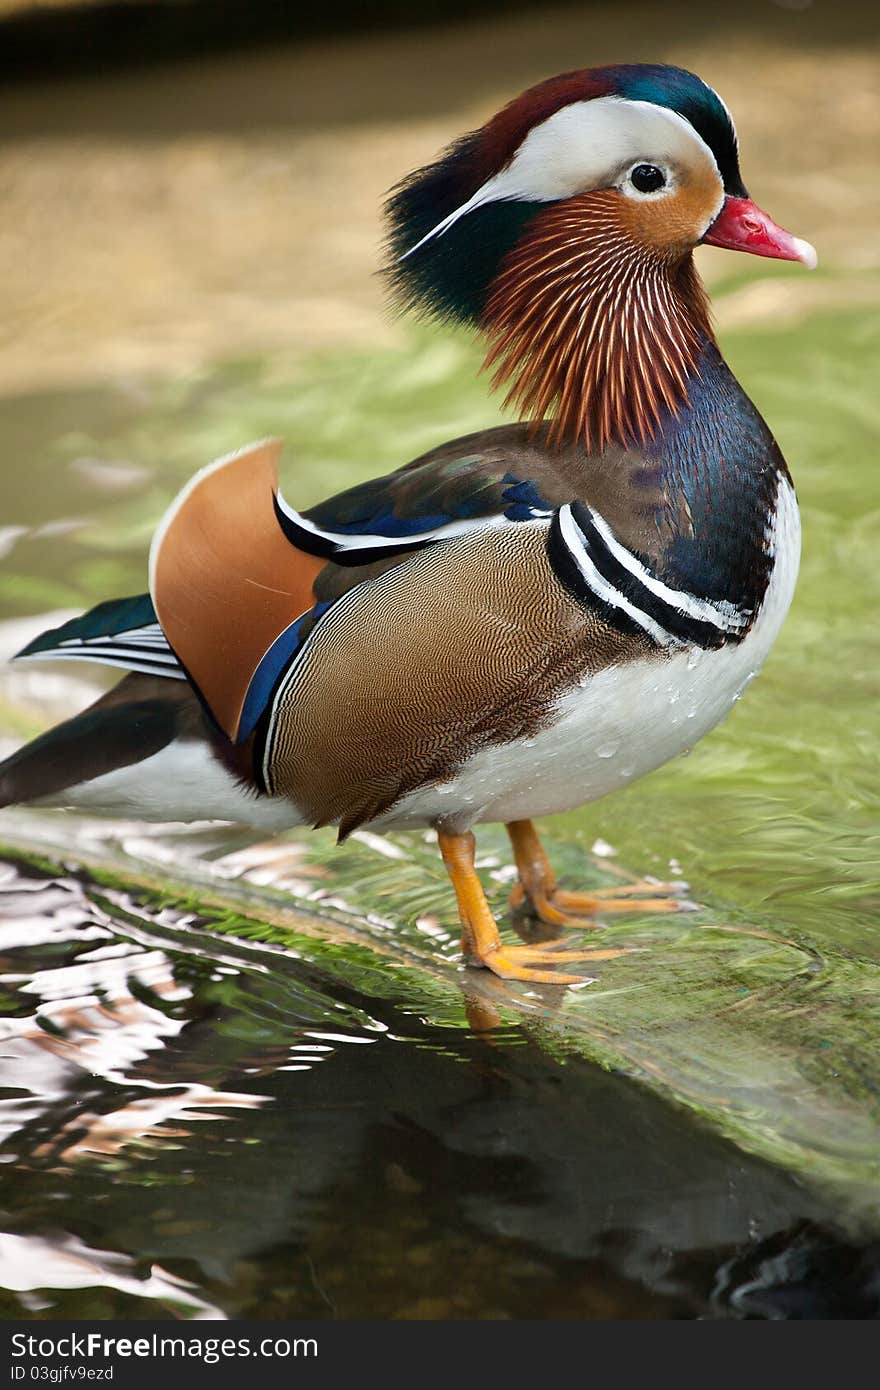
424	502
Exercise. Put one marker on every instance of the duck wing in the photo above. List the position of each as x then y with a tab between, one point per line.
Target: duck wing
122	632
240	579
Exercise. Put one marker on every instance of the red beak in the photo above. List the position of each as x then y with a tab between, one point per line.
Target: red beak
742	226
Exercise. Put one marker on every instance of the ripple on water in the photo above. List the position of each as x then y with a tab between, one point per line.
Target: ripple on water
217	1131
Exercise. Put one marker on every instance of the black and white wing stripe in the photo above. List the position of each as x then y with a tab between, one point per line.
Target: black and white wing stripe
604	574
143	649
363	547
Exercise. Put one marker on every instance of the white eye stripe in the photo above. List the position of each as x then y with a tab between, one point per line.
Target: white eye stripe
586	145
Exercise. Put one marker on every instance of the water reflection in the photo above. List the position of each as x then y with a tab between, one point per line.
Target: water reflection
31	1264
196	1126
98	1014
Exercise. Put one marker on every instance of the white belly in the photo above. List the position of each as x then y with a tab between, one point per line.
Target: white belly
618	724
182	782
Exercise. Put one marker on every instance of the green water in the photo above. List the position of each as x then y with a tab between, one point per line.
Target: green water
740	1049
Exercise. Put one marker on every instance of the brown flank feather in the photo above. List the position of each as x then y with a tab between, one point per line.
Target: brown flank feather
595	322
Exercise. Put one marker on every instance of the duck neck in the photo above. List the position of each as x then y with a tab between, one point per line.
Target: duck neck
599	329
719	470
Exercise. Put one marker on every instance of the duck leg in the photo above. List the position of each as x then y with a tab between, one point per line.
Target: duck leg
481	941
537	887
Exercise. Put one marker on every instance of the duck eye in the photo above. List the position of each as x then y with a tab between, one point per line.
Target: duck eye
647	178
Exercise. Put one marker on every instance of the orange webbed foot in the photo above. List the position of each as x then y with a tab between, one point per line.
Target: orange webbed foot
524	962
537	889
481	939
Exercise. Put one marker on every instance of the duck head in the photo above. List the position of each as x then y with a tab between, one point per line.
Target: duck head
564	230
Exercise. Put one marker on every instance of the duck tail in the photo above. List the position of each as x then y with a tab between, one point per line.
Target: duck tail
136	719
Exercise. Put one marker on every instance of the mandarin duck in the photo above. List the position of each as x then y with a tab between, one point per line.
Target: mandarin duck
523	619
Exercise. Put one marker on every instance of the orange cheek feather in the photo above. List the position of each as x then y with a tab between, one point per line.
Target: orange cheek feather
672	225
599	315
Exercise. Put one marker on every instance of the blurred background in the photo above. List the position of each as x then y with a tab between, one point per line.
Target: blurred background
190	241
191	182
